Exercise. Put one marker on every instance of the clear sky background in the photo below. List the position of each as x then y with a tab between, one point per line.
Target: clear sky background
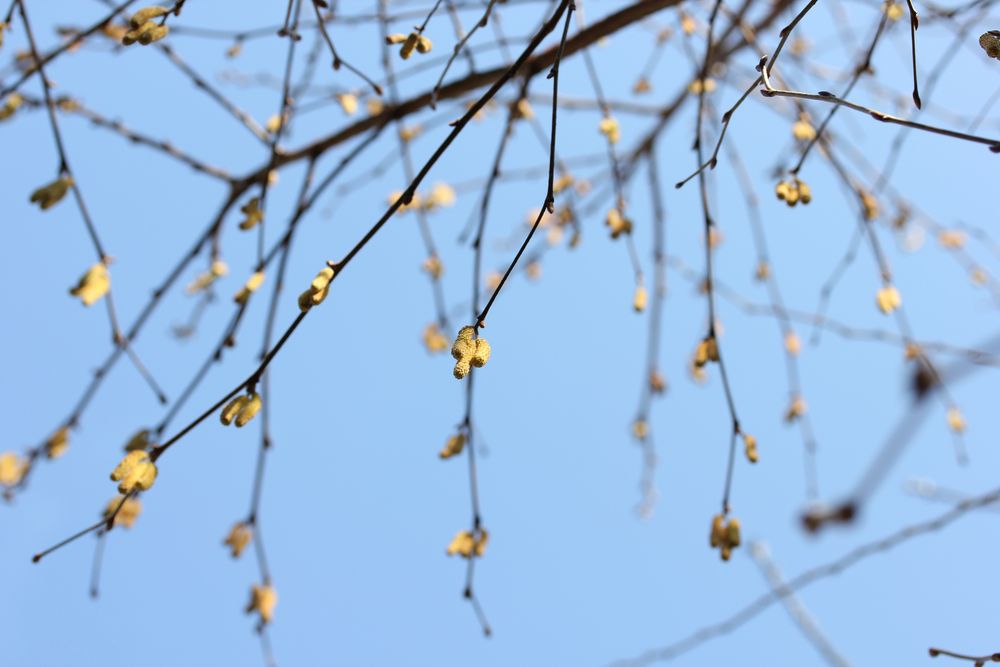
357	507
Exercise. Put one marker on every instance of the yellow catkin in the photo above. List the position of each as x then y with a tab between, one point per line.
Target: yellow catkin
238	538
135	472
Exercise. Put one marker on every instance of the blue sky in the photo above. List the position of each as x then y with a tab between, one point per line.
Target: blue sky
357	507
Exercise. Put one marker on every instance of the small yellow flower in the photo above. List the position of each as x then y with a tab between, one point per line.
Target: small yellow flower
707	350
493	280
241	409
434	339
135	472
698	86
956	422
273	123
205	280
254	215
469	351
523	109
10	105
129	512
453	446
238	538
796	408
94	284
374	106
750	447
263	599
251	286
794	191
145	14
58	443
348	102
792	343
410	132
561	183
763	271
617	223
951	238
640	429
433	266
869	205
888	299
317	290
657	383
803	130
725	535
145	34
441	195
12	468
639	299
688	24
415	202
468	545
641	86
893	10
610	129
51	194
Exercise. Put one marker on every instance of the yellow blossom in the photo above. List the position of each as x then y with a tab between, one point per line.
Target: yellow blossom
135	472
375	106
869	205
204	280
725	535
241	409
434	339
10	105
639	299
58	443
956	422
951	238
750	447
707	350
317	290
273	124
348	102
51	194
793	191
640	429
129	512
410	132
469	351
396	195
441	195
688	24
453	446
467	545
493	280
888	299
561	183
610	129
796	408
12	468
263	599
145	34
792	343
763	271
94	284
803	130
238	538
254	214
617	223
893	10
523	109
641	86
699	86
251	285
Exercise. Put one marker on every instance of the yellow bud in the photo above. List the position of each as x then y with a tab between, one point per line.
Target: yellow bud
424	45
146	14
750	447
453	446
127	514
135	472
639	299
409	45
641	86
254	215
58	443
12	469
956	422
51	194
263	600
348	102
94	284
232	409
888	299
249	410
640	429
238	538
251	285
792	343
610	129
395	38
